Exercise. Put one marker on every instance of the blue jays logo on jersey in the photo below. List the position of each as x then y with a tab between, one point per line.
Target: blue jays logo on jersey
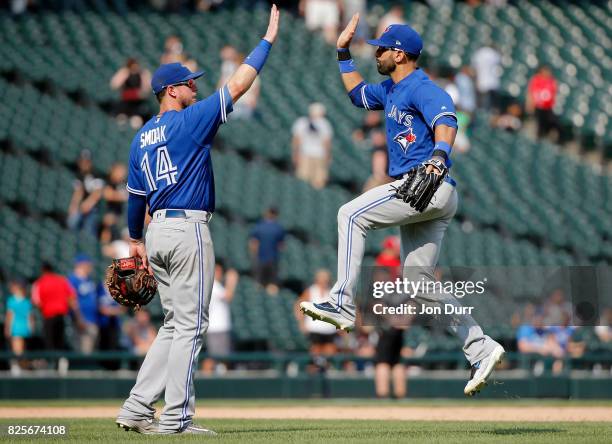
405	139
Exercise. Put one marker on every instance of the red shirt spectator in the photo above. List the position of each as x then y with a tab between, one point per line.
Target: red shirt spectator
51	293
55	297
543	89
390	255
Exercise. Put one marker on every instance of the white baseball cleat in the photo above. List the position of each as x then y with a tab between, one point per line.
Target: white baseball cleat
144	426
193	429
327	312
482	370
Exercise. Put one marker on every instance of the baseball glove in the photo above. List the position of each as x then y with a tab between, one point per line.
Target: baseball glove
129	283
419	187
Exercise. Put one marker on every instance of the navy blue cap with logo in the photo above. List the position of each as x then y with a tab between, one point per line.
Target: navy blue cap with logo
401	37
171	74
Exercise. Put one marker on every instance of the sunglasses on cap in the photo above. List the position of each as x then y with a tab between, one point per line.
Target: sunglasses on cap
190	83
383	49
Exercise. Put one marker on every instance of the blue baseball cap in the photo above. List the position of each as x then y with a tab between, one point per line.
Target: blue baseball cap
171	74
401	37
82	258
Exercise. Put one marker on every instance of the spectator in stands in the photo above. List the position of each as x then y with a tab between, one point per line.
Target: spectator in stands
88	292
231	59
265	243
564	334
388	363
119	247
604	329
539	340
487	65
19	7
390	254
311	144
2	319
110	315
141	332
134	84
362	32
55	297
556	309
380	161
109	320
320	334
219	333
83	212
321	15
465	87
115	196
540	100
19	321
371	122
173	49
207	5
394	16
390	337
462	141
510	120
174	53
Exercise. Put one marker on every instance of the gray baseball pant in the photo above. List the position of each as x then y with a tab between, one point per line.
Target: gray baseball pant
181	254
421	240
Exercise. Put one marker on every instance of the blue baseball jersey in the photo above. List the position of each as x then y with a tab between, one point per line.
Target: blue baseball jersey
170	159
412	107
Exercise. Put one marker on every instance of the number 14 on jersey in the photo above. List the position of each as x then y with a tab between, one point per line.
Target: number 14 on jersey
164	169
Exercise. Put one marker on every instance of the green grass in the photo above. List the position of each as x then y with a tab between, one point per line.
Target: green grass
322	402
308	431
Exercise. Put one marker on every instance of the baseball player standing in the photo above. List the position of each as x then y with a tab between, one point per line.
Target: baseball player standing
421	128
170	170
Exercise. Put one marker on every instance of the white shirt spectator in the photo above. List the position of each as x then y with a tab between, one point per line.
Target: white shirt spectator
395	16
486	62
220	319
313	134
467	95
321	13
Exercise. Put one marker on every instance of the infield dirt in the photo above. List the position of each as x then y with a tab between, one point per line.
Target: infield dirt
386	412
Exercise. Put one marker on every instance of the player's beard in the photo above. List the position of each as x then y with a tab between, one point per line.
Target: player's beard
385	67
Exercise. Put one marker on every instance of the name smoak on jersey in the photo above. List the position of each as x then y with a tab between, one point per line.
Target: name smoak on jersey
153	136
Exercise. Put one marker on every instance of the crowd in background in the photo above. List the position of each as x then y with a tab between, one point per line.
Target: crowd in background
76	313
78	307
474	86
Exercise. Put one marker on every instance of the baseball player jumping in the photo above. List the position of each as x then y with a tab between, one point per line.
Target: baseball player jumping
170	170
421	126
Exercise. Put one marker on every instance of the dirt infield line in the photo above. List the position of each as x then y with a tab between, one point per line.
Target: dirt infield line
408	413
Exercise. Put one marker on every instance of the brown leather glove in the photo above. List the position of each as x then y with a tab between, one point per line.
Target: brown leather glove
129	283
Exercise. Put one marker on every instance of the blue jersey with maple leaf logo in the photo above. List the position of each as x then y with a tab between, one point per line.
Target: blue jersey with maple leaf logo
413	107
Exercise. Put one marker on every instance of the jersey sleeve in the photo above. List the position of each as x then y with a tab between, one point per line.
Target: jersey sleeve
135	183
434	103
369	95
205	116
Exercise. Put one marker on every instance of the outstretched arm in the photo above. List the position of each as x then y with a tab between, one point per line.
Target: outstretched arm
350	77
368	96
245	75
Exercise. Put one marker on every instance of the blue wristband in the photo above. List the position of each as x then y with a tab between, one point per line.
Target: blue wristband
257	57
443	146
346	66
